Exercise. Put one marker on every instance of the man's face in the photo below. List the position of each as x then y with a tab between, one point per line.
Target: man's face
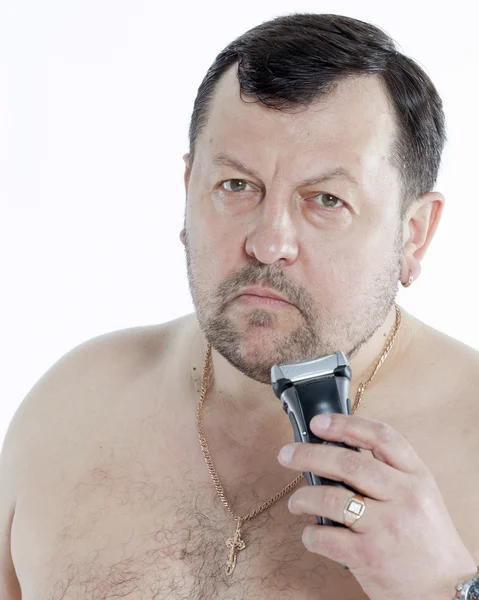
332	248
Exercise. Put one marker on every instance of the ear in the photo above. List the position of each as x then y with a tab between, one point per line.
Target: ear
186	158
419	228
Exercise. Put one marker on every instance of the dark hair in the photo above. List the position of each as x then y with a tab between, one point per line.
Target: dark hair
293	60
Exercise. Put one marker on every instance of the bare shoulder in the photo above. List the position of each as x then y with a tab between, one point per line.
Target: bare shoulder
446	365
67	394
457	358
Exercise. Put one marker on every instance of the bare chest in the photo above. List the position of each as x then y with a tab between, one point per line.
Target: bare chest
133	515
122	533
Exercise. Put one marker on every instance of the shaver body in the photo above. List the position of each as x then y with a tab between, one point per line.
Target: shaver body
308	388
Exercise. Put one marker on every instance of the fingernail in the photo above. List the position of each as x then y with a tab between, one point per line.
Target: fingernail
321	421
286	453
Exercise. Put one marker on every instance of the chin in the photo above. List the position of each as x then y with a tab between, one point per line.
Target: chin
256	352
253	366
252	352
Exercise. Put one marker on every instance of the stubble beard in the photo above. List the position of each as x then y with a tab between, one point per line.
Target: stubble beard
322	331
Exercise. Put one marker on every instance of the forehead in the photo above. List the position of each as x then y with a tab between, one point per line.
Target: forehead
354	124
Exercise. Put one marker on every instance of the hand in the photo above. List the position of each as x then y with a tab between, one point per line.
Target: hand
405	545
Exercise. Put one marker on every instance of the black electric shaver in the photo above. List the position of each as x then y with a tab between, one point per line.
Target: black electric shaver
312	387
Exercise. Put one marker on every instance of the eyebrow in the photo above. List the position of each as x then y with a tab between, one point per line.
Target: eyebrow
337	173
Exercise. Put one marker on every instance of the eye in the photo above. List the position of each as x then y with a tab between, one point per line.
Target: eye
235	185
328	200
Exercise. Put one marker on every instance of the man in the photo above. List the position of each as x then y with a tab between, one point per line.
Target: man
136	468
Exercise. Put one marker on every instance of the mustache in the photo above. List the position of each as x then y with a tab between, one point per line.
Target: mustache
256	273
270	276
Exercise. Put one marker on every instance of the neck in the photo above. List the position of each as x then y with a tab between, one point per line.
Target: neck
233	398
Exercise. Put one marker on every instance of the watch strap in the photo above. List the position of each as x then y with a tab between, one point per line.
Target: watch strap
463	589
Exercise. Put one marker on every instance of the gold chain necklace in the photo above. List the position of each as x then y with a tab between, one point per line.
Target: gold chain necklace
236	543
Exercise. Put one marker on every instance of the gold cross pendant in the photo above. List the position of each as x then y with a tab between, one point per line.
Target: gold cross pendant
236	544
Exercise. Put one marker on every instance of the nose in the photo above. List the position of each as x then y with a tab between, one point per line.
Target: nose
272	235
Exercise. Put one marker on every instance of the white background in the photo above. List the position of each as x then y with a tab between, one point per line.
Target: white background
95	101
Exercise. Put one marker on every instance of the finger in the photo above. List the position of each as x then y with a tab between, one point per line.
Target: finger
363	473
385	443
330	501
335	543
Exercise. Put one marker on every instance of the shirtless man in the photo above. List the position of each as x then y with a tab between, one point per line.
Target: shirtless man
326	203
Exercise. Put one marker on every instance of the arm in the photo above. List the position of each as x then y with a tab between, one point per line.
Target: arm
9	585
48	405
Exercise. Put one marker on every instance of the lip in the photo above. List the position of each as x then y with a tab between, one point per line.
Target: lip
263	292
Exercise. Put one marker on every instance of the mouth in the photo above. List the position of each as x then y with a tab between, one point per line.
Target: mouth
262	295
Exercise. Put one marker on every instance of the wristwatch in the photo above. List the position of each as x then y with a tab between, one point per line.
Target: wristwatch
469	590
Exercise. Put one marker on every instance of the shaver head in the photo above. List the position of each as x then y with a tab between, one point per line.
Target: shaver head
308	387
286	375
